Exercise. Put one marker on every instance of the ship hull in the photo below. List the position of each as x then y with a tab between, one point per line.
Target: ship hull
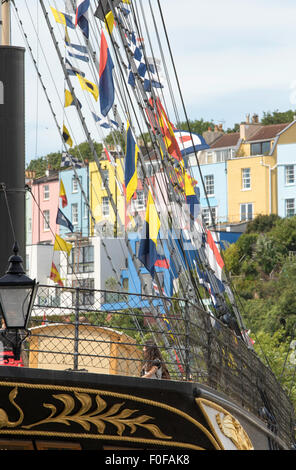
47	410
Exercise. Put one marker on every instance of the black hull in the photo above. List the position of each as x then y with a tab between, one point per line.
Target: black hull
47	409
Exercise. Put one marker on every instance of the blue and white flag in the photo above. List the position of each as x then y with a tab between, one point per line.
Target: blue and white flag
68	160
190	142
105	122
82	16
76	50
62	220
148	75
73	70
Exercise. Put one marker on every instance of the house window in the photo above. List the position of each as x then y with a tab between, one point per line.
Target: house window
289	174
290	207
46	221
260	148
209	157
74	184
105	206
140	200
246	212
209	184
46	192
105	178
74	214
206	216
81	260
246	178
139	203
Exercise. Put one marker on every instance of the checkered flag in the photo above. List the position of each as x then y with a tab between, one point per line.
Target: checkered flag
68	160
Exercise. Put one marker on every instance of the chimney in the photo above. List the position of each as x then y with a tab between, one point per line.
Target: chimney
248	129
211	135
255	119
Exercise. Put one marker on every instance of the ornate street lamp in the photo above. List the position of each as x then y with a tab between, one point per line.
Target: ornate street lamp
17	295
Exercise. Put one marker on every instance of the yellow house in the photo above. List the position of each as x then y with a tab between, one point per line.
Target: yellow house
107	221
252	174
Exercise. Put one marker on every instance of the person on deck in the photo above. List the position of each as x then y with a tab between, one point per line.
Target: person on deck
153	366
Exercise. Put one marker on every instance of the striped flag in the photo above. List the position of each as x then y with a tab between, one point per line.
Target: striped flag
55	276
190	142
63	194
130	170
148	244
81	19
73	70
76	50
215	260
106	84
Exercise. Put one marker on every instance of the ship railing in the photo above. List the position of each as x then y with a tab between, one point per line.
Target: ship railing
103	331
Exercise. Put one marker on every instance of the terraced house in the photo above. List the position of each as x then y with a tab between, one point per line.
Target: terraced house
252	182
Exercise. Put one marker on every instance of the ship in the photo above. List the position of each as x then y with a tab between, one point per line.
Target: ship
77	384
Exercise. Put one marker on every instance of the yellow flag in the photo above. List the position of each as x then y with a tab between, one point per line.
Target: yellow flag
152	219
61	245
68	98
89	86
66	136
109	22
62	18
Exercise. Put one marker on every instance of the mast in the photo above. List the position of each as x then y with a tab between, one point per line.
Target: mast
12	143
5	30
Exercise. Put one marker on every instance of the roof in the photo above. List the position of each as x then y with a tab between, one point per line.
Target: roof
54	176
269	132
226	140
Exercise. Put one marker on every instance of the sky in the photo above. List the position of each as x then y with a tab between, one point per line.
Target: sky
233	58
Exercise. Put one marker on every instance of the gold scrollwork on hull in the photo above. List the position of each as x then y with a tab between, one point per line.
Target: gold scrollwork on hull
120	418
232	429
4	420
224	424
96	417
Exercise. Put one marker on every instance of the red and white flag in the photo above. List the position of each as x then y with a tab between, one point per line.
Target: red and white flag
215	259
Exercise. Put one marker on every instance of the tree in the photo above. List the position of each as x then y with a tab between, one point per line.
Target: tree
53	160
262	223
115	138
277	117
198	126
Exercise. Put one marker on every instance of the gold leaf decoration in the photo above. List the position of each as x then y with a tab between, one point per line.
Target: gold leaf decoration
4	420
232	429
118	417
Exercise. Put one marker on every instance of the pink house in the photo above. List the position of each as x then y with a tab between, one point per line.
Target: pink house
45	205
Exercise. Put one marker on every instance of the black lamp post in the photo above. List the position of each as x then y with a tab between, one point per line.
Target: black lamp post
17	295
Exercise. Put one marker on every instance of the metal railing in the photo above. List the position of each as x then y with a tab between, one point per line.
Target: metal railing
104	332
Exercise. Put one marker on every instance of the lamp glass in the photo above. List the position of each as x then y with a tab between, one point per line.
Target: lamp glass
15	303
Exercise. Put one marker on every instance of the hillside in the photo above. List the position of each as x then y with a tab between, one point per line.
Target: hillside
262	266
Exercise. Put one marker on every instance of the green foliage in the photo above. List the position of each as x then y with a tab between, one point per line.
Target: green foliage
53	160
278	118
264	278
262	223
275	351
198	126
115	138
